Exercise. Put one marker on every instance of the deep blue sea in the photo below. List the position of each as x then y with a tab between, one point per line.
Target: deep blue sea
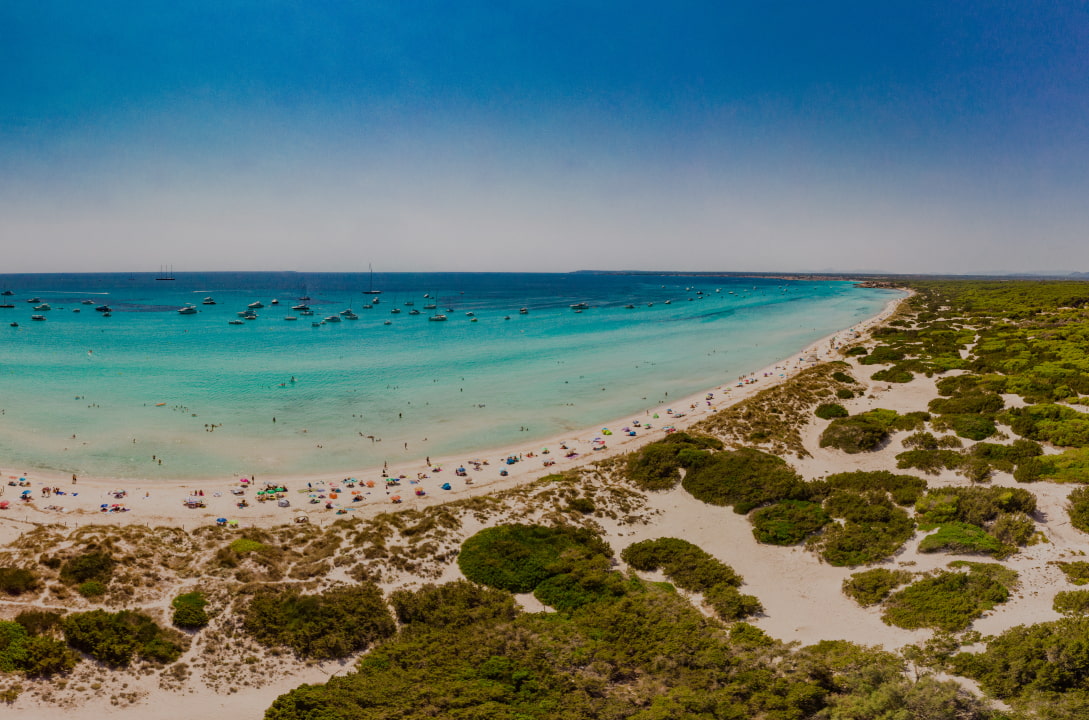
200	394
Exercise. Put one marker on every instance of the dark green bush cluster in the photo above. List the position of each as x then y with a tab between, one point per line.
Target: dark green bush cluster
989	520
1077	506
657	466
16	580
904	489
897	373
883	355
873	528
840	376
690	568
856	351
745	478
94	566
1055	424
452	605
1069	466
830	411
859	433
950	599
31	654
1045	666
518	558
327	625
962	538
929	461
1071	602
189	610
1076	571
116	638
787	522
870	587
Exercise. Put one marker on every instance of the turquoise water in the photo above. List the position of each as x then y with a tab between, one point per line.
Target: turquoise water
149	374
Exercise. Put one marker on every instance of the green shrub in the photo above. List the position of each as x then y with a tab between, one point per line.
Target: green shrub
1076	571
829	411
584	580
745	478
855	351
859	433
657	466
518	558
40	622
1015	528
1071	602
455	604
1056	424
931	462
922	441
46	657
894	374
116	638
243	546
692	569
97	566
972	427
972	403
961	538
91	589
13	639
845	393
883	355
840	376
16	581
189	611
948	600
1077	506
904	489
787	522
870	587
873	529
328	625
1048	661
685	564
730	604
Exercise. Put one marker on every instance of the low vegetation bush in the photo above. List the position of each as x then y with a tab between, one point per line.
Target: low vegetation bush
961	538
830	411
745	478
840	376
91	589
872	529
870	587
1076	571
1077	506
975	505
327	625
904	489
116	638
896	374
452	605
845	393
1071	602
1046	662
950	599
931	462
972	427
16	580
32	655
859	433
787	522
1069	466
690	568
189	611
1055	424
518	558
883	355
40	622
657	466
97	566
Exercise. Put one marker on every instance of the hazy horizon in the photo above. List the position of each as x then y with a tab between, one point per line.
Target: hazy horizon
899	137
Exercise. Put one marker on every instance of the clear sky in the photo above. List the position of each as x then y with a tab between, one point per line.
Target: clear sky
900	136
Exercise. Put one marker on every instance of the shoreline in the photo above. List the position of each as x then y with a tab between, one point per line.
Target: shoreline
162	503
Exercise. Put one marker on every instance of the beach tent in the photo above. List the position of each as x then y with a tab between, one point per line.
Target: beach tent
283	502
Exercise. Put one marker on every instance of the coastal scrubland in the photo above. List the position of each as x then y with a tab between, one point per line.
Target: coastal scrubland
956	517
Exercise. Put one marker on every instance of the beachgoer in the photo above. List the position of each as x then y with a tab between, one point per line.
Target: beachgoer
73	478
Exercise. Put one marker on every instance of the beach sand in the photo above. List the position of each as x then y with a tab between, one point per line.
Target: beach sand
801	595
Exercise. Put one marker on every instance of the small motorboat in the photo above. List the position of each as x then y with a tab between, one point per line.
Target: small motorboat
523	311
470	314
88	302
34	300
235	322
37	317
388	322
15	324
43	306
102	309
300	306
208	301
188	310
306	312
7	293
290	317
413	311
437	318
395	311
332	318
274	302
6	306
580	306
256	305
431	306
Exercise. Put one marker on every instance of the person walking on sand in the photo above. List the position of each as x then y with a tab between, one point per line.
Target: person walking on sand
73	478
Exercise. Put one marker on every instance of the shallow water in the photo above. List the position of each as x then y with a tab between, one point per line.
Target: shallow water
150	374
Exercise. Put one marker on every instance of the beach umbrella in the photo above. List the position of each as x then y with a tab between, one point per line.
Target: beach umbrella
26	492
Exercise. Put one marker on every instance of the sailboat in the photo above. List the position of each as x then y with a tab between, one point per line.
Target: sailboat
370	287
164	275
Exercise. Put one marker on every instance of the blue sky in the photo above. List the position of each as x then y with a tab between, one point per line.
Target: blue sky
893	136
